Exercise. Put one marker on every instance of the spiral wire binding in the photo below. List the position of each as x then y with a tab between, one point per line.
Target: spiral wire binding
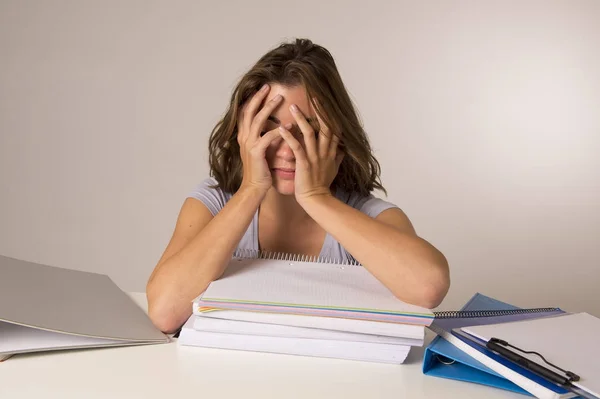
465	314
241	253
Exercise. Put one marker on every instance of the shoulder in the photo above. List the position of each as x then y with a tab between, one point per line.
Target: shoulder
367	204
210	195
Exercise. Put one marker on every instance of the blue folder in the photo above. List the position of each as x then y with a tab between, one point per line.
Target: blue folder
442	359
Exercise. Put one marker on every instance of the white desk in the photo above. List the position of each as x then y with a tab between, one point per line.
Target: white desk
168	371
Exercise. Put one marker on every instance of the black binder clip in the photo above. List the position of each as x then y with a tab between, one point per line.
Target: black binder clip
500	346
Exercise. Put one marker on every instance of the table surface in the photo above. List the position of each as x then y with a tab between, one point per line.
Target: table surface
170	370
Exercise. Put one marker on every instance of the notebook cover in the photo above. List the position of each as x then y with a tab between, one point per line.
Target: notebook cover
71	302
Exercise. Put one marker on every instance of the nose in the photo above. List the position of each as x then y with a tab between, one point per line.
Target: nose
285	152
283	149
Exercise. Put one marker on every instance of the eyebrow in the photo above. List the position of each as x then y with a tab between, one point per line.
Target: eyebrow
276	120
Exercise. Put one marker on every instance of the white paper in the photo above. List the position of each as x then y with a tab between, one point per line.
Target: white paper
209	324
363	351
569	341
16	339
306	283
325	323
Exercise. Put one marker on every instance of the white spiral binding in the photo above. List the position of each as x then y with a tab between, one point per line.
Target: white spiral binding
256	254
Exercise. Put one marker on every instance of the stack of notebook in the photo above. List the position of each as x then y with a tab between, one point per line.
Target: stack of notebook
304	307
544	352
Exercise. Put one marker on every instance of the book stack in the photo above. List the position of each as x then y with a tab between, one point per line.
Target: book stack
543	352
310	307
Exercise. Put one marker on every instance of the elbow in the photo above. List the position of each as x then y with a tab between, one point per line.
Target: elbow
431	290
164	315
436	289
433	296
428	296
164	321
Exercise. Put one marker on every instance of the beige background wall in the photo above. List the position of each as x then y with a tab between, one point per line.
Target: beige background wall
484	115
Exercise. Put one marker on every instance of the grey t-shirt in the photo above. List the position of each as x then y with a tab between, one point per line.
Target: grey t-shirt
215	199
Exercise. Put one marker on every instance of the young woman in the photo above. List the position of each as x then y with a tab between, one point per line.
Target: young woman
293	172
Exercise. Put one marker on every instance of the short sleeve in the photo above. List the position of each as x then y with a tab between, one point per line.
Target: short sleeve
373	206
212	197
369	205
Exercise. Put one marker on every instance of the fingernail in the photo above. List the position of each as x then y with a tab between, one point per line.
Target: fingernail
288	126
277	97
281	129
294	108
265	87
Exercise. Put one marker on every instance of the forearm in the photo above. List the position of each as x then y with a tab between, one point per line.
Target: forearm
188	272
411	268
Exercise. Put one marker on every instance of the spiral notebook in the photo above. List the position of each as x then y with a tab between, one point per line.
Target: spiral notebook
286	304
270	283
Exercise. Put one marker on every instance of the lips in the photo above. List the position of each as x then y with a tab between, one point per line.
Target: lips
285	173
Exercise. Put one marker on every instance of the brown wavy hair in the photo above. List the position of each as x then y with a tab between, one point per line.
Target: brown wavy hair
312	66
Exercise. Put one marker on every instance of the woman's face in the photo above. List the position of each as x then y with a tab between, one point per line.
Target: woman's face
280	157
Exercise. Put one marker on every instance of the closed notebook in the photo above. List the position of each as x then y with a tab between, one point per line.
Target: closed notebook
208	324
46	308
259	282
451	356
324	323
313	347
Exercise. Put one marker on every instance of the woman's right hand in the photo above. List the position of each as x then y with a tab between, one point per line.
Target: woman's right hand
253	147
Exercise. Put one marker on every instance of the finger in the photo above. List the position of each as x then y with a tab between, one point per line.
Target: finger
261	118
307	132
295	146
250	107
255	102
324	135
334	147
272	136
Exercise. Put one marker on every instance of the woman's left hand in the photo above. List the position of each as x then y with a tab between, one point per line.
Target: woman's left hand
317	162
